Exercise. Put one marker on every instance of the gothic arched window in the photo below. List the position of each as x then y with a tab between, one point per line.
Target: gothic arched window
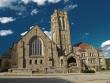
35	47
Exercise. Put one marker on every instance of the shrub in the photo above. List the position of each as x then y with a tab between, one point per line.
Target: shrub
103	69
88	71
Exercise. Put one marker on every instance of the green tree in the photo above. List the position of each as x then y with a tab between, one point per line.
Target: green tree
108	63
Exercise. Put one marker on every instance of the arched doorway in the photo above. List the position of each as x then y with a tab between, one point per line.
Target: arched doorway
72	65
71	62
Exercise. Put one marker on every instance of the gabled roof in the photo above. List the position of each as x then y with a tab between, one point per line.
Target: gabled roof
34	27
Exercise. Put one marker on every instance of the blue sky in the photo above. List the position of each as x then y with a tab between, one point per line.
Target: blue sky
89	20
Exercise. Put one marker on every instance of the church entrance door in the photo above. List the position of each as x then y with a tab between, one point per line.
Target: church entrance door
72	65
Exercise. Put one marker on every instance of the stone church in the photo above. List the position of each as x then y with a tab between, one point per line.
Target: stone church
36	52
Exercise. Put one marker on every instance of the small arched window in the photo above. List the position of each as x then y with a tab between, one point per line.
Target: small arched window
35	47
61	62
30	62
35	61
41	61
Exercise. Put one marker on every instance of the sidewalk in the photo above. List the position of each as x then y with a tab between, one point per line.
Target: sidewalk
41	74
99	77
97	81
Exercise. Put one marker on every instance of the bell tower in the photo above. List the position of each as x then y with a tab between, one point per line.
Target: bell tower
61	31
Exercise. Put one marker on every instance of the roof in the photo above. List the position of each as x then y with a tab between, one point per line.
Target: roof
82	45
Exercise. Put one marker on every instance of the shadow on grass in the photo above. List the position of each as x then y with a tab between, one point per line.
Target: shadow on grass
33	80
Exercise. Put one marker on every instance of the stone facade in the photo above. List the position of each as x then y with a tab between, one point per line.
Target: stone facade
35	52
91	57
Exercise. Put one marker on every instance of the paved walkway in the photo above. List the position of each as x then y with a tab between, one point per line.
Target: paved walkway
100	77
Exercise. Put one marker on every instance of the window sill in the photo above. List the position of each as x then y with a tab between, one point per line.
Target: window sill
36	57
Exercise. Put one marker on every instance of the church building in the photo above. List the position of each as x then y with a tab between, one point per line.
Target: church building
36	52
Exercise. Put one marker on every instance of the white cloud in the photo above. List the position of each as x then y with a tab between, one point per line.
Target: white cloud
70	7
54	1
4	20
108	48
25	1
34	12
48	33
40	2
22	34
6	3
12	4
9	3
106	43
105	46
5	32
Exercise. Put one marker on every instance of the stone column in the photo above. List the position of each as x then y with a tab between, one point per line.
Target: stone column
65	65
27	54
20	57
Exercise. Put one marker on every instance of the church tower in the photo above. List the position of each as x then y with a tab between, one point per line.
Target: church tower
61	31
